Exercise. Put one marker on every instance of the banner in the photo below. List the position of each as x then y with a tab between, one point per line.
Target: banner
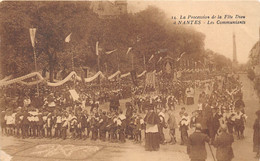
140	75
90	79
97	48
109	52
74	94
32	36
150	79
125	75
6	78
30	83
16	80
62	81
114	75
5	81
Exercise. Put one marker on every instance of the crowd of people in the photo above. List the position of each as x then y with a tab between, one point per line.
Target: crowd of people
54	114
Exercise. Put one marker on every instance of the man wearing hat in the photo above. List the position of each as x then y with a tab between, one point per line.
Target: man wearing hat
196	148
162	125
223	143
129	114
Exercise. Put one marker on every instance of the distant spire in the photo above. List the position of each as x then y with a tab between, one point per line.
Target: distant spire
234	49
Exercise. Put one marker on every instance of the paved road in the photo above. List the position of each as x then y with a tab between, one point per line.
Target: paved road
77	150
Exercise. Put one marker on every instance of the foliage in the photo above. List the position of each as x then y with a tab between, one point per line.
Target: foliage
146	32
251	74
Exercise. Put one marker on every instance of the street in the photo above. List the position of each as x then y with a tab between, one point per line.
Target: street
57	149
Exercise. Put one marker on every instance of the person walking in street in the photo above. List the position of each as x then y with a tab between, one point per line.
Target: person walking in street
256	136
196	147
172	125
223	143
152	137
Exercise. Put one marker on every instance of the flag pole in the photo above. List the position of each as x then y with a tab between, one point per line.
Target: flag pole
144	63
35	65
132	61
118	65
32	32
72	60
67	40
98	63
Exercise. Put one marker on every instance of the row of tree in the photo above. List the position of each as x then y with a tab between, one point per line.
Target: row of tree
146	32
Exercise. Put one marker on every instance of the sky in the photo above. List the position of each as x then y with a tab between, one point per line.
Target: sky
219	38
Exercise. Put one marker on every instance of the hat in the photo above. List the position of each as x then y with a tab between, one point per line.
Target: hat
198	126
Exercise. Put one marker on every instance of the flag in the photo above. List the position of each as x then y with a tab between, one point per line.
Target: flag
161	51
180	56
97	47
159	59
67	39
151	58
32	35
130	48
109	52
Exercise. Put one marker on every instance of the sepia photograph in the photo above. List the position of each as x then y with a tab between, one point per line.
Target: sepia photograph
130	80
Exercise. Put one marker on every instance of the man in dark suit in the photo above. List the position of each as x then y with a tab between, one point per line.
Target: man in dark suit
223	143
196	148
114	102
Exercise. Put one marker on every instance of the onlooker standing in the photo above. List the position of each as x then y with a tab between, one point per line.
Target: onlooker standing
223	143
152	138
172	125
196	148
256	137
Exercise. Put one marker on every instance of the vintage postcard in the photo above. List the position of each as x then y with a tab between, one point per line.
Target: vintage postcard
130	80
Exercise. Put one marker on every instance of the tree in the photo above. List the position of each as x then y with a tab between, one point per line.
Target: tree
53	21
146	32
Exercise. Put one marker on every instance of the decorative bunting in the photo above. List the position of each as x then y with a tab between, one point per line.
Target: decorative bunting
150	58
67	39
130	48
109	52
180	56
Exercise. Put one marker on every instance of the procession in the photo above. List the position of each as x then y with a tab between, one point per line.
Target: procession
220	115
107	80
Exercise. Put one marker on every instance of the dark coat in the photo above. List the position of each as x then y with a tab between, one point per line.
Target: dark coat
196	148
256	136
25	120
223	143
